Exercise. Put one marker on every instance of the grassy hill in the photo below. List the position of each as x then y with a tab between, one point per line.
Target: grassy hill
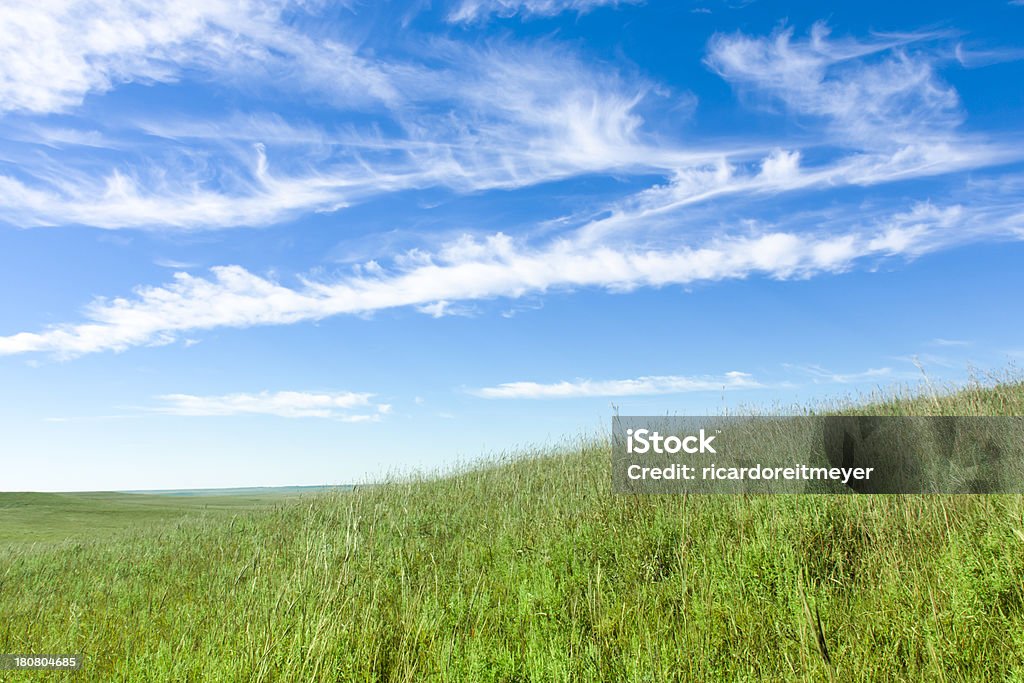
527	568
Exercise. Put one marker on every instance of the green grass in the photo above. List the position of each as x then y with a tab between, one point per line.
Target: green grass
527	568
53	517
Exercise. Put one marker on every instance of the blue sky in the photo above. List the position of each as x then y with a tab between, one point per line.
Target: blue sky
279	243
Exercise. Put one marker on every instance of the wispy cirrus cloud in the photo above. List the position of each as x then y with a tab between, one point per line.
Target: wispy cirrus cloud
973	58
895	98
474	269
344	406
122	201
878	105
478	10
497	115
511	116
640	386
780	172
54	54
939	341
820	375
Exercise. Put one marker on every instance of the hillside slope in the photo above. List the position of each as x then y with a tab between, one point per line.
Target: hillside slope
529	569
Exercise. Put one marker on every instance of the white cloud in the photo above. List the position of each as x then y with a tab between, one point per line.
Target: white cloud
822	375
119	201
338	406
54	53
896	98
493	116
472	269
781	172
476	10
490	116
904	231
780	166
442	309
974	58
57	137
939	341
173	264
496	116
652	385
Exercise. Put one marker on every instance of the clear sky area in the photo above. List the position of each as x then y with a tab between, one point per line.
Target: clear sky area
296	243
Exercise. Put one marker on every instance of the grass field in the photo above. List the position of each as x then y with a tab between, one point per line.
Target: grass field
527	568
52	517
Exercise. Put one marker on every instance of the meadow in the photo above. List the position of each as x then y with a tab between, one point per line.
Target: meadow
50	517
526	567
